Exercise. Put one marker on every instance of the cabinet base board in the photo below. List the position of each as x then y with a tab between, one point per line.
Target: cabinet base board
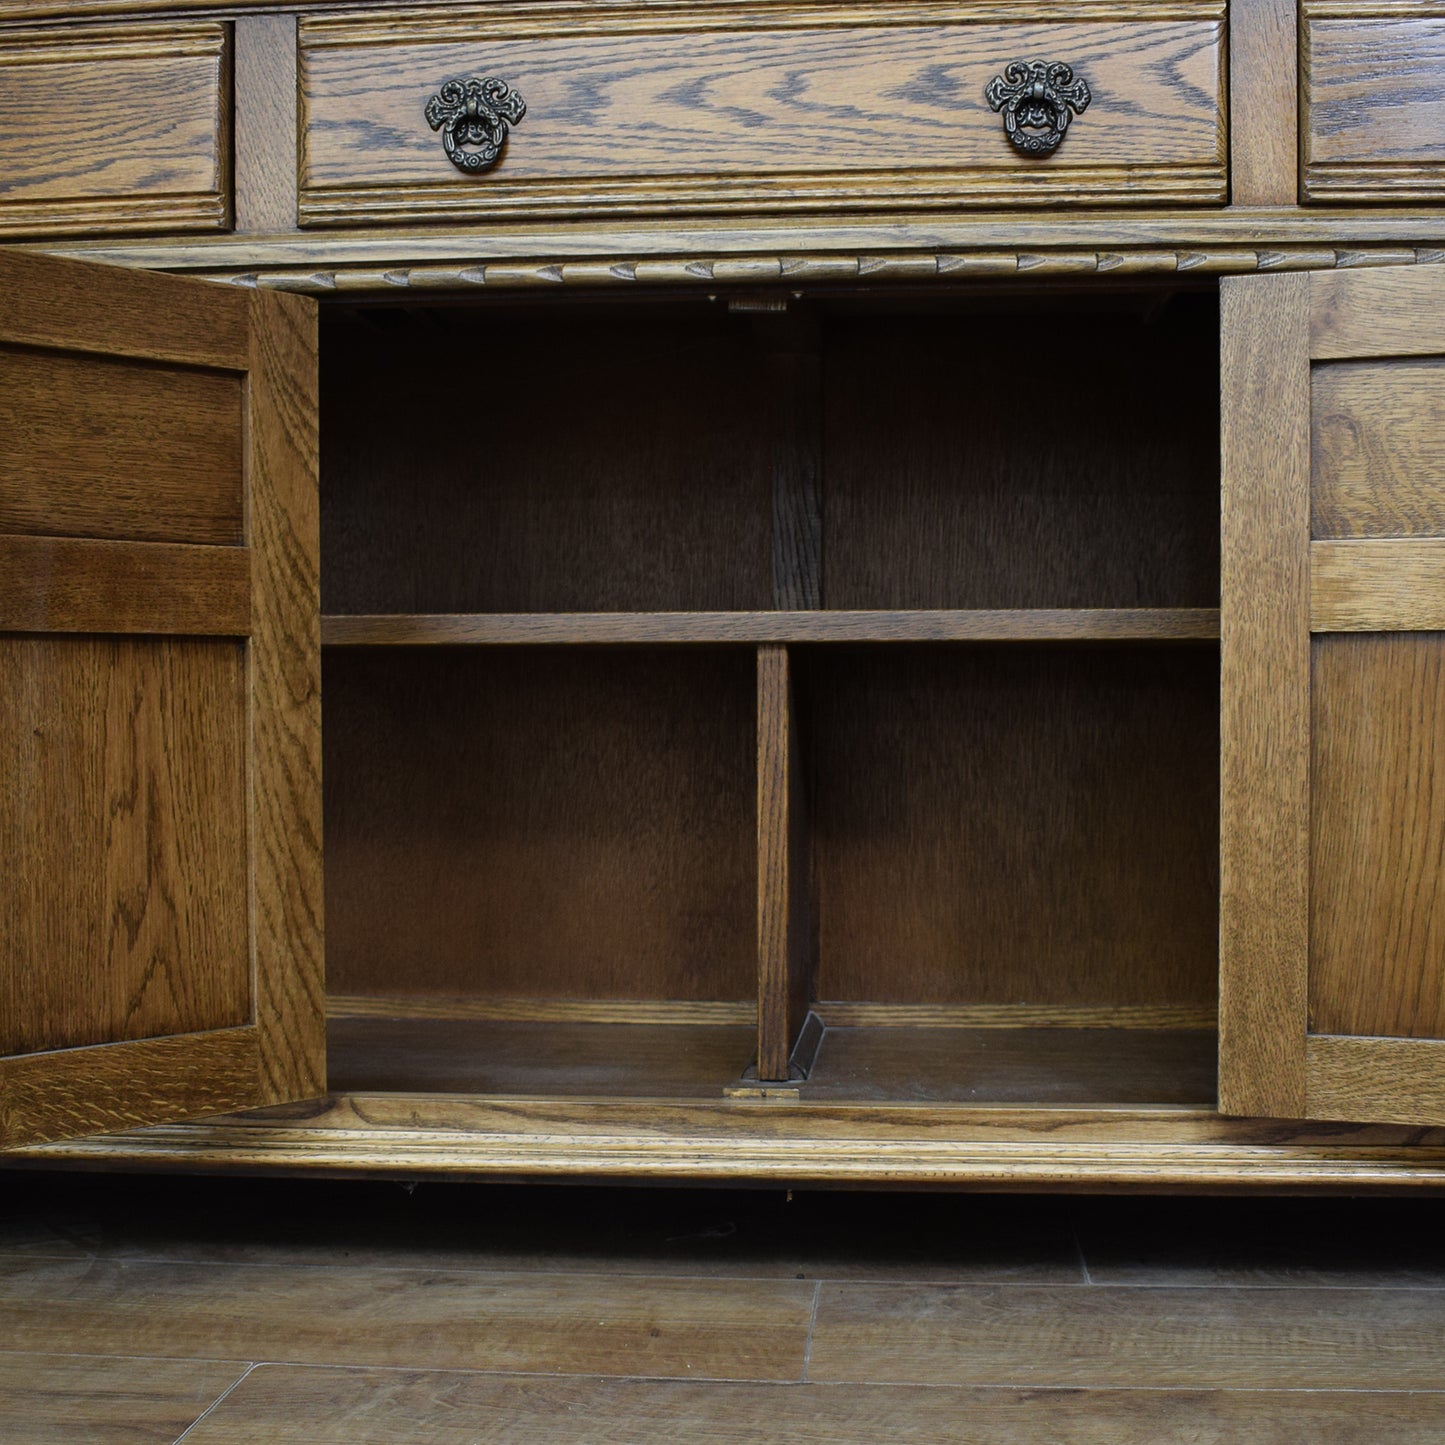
999	1149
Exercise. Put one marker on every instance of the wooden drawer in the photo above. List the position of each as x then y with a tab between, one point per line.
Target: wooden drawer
122	128
769	106
1372	120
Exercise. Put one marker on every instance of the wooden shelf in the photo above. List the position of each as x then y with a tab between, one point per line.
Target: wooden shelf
1132	624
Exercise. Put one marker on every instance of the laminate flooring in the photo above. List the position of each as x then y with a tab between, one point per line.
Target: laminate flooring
161	1309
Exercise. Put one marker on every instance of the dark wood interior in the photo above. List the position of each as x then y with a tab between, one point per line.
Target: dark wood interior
1025	827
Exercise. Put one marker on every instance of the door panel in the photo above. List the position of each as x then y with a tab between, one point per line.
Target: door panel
1332	983
160	925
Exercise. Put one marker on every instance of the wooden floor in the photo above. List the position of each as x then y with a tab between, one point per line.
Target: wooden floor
336	1313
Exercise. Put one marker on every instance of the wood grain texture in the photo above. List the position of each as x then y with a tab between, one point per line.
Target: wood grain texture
1373	118
1377	449
787	904
74	1092
1264	719
266	130
290	1406
57	303
1263	103
550	1060
544	1323
887	110
72	584
1377	313
1039	1067
431	1136
125	906
284	760
95	447
1377	831
794	362
1377	586
1002	825
546	823
156	101
1307	1339
56	1399
1390	1079
1025	624
650	493
1112	502
668	1012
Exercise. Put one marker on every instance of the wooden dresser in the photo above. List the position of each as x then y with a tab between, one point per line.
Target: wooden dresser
816	591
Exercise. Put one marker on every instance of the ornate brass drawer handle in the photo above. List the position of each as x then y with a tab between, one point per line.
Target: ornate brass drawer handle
1036	99
475	113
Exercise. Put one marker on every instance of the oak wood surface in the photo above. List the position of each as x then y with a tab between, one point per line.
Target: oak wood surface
1263	103
543	1323
373	1407
1377	586
156	107
1376	314
539	822
115	1400
1373	121
543	1059
126	902
266	133
1377	449
1104	498
652	493
76	584
1120	1337
1024	624
1395	1079
284	719
74	463
1005	825
876	105
1377	832
787	902
1264	718
955	1146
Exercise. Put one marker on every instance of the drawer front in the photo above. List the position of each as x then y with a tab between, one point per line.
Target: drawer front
776	107
1373	102
117	129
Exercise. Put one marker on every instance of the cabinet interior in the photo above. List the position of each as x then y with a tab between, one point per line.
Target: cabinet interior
555	537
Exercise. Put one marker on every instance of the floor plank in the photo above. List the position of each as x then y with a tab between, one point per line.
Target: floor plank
713	1329
290	1406
1121	1337
66	1399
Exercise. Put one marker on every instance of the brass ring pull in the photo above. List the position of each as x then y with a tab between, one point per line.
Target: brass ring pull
474	113
1036	99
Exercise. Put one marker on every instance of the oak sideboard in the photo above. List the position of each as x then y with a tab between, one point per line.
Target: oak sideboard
798	591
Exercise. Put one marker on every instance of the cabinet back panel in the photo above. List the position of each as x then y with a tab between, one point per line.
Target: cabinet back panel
1015	825
1028	458
539	823
485	463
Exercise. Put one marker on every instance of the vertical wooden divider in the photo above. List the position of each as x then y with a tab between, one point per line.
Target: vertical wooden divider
787	916
787	930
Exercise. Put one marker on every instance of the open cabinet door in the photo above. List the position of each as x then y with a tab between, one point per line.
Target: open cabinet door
1332	946
160	800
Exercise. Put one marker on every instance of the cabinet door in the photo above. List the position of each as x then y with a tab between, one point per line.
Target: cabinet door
1332	986
160	806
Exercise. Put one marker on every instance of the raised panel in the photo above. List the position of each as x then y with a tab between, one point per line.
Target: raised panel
1373	101
119	128
100	447
123	820
781	106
